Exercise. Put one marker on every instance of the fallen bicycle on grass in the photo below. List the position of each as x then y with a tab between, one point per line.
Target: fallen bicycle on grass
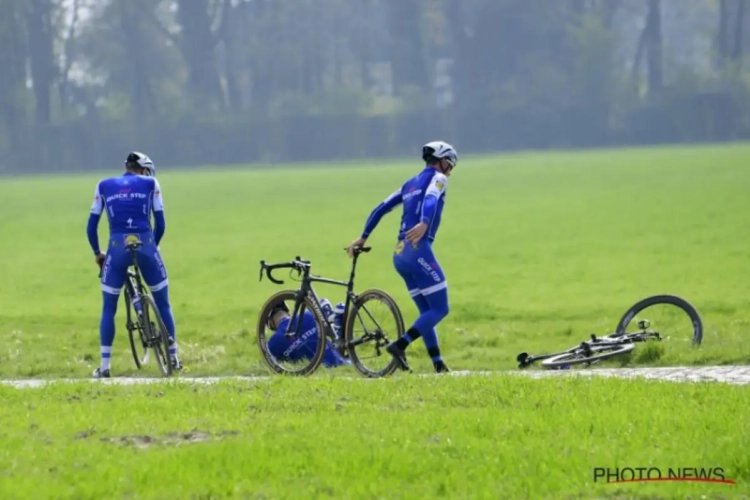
591	352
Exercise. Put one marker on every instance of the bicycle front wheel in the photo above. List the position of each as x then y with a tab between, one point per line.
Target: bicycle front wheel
677	318
578	357
302	356
156	334
374	321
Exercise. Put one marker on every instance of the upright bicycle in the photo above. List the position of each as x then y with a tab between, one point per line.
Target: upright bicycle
358	347
143	317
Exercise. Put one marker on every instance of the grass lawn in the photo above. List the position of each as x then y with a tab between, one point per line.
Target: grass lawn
540	250
449	437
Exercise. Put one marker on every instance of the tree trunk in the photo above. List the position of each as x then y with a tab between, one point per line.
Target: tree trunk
737	50
722	34
407	52
40	31
197	43
12	76
655	67
141	94
636	68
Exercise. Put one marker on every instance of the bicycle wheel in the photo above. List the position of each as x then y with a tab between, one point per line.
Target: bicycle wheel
578	356
370	345
313	356
664	322
156	334
135	332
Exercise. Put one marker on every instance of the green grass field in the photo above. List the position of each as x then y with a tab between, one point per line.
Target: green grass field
540	250
320	438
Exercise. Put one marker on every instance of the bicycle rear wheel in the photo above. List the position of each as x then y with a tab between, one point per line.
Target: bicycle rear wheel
578	356
370	345
313	356
665	322
135	332
156	334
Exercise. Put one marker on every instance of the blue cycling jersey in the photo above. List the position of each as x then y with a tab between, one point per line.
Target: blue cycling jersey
129	200
423	198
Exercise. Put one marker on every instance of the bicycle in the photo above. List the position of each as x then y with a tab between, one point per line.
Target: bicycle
305	298
139	304
591	352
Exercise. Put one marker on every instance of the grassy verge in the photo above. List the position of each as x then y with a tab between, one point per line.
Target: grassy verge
447	437
540	250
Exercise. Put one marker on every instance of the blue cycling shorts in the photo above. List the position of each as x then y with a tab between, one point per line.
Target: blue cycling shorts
419	268
119	258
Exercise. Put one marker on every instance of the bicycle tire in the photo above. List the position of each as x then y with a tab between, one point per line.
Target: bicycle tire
674	300
161	349
359	303
601	353
270	360
129	326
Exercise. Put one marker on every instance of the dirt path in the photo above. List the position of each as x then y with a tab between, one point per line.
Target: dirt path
727	374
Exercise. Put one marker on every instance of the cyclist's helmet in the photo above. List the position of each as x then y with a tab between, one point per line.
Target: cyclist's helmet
140	160
437	150
280	306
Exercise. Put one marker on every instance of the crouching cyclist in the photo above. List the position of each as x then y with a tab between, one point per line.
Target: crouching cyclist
293	349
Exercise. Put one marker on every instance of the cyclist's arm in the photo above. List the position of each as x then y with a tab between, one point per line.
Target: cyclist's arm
92	229
160	224
386	206
433	193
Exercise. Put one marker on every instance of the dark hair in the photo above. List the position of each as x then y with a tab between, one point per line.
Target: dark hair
427	156
280	306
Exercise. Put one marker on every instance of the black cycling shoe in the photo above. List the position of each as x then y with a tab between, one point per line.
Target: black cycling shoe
399	355
440	367
99	373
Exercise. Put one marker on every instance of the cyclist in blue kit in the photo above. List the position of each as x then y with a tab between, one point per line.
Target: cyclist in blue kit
423	199
129	200
296	348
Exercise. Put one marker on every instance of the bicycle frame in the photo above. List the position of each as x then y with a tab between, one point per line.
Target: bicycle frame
524	359
307	290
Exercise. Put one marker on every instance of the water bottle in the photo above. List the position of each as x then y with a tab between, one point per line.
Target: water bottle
338	318
137	305
326	308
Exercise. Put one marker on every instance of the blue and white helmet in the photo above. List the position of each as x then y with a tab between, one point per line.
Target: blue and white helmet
439	150
143	162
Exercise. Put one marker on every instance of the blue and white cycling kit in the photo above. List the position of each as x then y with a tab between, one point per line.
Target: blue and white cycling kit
302	346
423	199
129	200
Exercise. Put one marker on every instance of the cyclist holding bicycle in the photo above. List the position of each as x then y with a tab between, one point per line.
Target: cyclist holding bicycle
423	198
292	349
129	200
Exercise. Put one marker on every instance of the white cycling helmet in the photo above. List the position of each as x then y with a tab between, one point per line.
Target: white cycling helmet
143	162
437	150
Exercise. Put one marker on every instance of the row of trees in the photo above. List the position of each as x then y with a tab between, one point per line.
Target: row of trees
213	81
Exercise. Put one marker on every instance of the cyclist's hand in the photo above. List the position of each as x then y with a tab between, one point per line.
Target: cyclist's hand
416	233
99	259
359	242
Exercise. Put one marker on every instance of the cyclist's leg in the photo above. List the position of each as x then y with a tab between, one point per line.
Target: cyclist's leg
401	264
332	358
431	296
114	272
155	275
277	344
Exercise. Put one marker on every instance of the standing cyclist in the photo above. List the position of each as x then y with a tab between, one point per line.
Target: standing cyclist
129	200
423	197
